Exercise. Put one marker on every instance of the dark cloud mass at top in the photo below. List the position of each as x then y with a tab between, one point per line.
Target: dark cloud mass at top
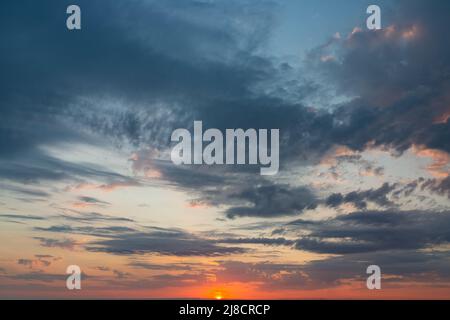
201	69
400	77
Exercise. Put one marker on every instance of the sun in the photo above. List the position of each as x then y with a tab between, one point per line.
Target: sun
218	295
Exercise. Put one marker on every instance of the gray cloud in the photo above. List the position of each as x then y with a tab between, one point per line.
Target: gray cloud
26	191
371	231
87	230
88	217
174	242
20	217
271	200
93	201
360	198
177	67
399	103
121	274
128	241
154	266
40	276
40	262
263	241
441	187
68	244
243	193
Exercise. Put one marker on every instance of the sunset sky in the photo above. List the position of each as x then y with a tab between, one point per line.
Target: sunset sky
85	171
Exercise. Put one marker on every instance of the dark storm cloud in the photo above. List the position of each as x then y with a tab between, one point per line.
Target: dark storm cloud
266	200
361	232
175	243
271	200
128	241
260	198
360	198
180	244
247	195
399	102
371	231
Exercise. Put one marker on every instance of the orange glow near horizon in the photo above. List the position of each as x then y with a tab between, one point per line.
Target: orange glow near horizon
217	294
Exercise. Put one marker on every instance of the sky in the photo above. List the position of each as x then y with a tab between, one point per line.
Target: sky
86	176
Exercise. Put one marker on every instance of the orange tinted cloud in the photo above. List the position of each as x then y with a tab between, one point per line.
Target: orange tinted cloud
410	32
196	204
440	160
337	152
